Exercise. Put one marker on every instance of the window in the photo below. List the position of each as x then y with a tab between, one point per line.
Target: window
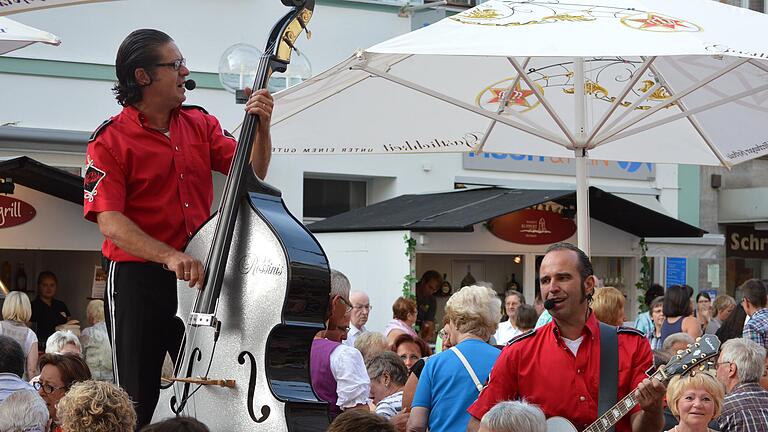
325	197
755	5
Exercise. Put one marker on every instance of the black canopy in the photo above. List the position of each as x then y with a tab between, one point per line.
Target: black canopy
41	177
460	210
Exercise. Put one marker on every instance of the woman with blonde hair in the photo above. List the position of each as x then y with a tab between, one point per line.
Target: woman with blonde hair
608	306
370	344
17	311
452	379
95	342
695	400
96	406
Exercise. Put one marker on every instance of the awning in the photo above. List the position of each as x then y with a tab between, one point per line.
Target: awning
460	210
41	177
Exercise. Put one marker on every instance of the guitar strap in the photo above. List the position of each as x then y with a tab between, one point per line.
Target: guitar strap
609	369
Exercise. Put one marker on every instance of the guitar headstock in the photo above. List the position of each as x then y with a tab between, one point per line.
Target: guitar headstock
696	354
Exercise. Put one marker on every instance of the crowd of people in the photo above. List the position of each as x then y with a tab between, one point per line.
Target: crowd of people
491	367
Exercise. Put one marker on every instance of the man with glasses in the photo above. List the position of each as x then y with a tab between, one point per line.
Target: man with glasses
148	185
361	308
338	372
756	329
739	368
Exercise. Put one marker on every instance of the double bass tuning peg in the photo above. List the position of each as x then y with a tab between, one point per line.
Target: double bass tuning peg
302	19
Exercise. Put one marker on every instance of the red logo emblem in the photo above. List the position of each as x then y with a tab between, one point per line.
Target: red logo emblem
14	212
93	176
533	227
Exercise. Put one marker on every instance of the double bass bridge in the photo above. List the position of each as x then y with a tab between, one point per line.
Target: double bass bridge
203	320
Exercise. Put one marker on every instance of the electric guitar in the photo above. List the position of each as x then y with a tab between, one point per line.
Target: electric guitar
686	361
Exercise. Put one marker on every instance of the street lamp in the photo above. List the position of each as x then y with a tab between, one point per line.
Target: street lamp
239	63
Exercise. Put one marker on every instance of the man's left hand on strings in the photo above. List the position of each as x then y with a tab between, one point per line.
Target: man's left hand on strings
260	103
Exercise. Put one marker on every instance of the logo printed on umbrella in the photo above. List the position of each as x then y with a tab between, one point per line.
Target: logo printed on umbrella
521	13
521	99
651	21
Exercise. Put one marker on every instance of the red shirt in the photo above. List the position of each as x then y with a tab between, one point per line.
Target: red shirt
542	370
162	183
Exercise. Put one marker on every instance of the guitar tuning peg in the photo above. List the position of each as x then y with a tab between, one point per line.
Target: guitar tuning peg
698	338
680	352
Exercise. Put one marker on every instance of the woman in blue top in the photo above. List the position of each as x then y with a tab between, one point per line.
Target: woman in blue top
452	379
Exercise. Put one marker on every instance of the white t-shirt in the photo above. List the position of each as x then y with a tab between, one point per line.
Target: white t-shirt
505	333
353	387
573	345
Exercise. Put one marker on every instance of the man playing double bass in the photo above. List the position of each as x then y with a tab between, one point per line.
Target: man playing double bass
557	366
148	185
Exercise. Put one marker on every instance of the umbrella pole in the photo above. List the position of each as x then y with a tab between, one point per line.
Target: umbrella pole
582	186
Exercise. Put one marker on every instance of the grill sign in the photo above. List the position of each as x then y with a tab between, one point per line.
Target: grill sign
14	212
532	227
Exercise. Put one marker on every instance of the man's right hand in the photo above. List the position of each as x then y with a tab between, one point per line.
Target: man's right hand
186	267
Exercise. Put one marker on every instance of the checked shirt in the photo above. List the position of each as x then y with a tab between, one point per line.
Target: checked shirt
745	409
756	329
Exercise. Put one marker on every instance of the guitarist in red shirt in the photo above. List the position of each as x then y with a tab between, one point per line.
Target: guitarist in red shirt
557	366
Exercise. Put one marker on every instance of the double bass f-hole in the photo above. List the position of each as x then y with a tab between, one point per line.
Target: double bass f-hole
185	392
265	410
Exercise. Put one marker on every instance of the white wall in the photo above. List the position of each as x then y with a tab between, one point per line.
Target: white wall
374	262
58	225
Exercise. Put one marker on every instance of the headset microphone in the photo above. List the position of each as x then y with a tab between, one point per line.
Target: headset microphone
549	304
190	84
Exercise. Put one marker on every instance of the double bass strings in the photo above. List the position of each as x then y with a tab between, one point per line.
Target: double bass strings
249	122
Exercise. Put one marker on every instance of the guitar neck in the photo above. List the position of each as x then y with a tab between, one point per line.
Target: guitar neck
622	408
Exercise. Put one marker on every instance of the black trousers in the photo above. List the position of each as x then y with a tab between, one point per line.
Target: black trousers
140	308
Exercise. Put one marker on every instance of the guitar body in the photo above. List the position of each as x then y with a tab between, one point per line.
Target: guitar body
274	301
559	424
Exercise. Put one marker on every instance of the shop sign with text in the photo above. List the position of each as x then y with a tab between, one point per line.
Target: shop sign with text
553	165
14	212
532	227
745	242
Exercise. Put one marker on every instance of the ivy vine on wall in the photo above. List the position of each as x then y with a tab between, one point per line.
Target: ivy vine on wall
410	279
644	282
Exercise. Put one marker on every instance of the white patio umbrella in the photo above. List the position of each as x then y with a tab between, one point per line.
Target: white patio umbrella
12	7
627	80
14	35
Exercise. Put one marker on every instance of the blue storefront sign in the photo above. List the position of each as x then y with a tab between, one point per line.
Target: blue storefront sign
675	271
552	165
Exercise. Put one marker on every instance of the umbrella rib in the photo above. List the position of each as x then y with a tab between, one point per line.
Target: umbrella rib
544	102
630	109
689	113
502	108
758	65
322	77
693	120
461	104
646	64
674	99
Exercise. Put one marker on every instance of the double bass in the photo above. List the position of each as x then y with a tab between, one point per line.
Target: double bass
242	358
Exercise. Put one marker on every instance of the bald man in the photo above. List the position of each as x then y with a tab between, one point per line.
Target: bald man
361	308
